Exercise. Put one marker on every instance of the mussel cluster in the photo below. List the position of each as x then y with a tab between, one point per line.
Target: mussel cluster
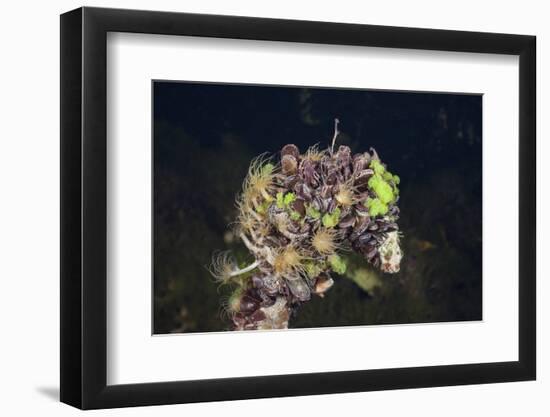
296	217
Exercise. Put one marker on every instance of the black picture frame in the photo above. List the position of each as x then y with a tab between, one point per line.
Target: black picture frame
84	207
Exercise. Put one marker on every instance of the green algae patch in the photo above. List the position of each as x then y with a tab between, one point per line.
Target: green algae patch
313	269
337	264
384	186
313	212
382	189
331	219
376	207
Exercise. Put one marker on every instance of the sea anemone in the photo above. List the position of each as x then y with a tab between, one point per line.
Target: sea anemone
258	182
325	241
288	261
345	196
222	266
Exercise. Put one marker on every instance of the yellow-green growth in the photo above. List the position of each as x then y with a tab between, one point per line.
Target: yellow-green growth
337	264
376	207
381	188
396	181
377	167
366	278
284	200
313	212
262	208
289	199
280	200
294	215
331	219
267	169
384	184
313	269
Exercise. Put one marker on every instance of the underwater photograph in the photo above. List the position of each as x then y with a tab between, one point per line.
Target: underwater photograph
288	207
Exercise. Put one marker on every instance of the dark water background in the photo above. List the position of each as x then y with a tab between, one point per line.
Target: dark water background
204	138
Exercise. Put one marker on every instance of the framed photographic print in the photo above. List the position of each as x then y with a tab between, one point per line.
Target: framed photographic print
257	208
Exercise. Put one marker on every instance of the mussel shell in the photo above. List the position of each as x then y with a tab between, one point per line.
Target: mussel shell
362	178
348	221
290	149
326	191
257	316
361	225
303	191
361	210
299	206
365	238
249	304
289	164
330	204
290	181
360	163
299	289
322	284
308	173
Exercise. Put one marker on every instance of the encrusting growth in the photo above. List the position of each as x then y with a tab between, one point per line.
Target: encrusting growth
295	217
